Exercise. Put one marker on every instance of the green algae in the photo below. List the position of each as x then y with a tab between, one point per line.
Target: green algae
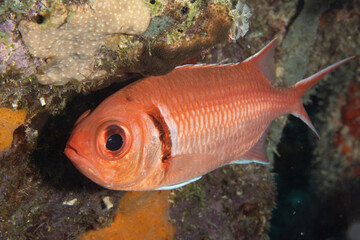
158	25
157	7
190	12
16	6
4	38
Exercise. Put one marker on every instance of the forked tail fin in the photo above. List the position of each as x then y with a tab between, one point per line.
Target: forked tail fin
302	86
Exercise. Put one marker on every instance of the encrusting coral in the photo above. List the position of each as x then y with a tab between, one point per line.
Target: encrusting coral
69	38
9	121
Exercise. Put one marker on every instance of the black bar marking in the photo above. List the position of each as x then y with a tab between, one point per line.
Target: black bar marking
164	133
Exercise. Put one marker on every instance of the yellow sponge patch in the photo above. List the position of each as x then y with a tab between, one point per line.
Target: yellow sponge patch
9	121
141	215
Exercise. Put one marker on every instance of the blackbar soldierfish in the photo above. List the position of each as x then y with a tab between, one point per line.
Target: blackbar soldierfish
166	131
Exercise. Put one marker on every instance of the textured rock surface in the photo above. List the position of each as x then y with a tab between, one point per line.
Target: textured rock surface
13	54
234	202
336	176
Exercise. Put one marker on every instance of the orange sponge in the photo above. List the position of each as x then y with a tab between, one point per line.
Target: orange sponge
141	215
9	121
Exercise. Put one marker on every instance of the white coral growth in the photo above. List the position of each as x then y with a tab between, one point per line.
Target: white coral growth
240	16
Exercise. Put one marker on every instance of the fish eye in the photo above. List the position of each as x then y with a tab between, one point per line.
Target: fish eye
114	140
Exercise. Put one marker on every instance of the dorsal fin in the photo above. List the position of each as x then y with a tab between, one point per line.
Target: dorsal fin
264	60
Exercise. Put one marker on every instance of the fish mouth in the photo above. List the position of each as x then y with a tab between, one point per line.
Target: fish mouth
69	149
71	153
82	163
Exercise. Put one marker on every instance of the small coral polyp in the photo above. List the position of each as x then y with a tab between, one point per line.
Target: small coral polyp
240	16
69	37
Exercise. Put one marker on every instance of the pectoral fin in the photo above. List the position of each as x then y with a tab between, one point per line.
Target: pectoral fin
184	169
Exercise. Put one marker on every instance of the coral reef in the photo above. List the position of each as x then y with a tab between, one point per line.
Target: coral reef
141	215
348	135
231	203
324	201
70	36
341	148
294	57
15	6
336	154
80	40
44	197
178	31
195	26
9	121
13	54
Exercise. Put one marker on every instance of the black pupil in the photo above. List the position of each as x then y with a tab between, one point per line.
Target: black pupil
114	142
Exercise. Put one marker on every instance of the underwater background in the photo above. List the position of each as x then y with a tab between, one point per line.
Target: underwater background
311	190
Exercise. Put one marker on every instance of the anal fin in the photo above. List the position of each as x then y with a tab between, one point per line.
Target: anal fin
169	187
256	154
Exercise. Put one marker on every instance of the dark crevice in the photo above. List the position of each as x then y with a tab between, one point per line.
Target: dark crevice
299	7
